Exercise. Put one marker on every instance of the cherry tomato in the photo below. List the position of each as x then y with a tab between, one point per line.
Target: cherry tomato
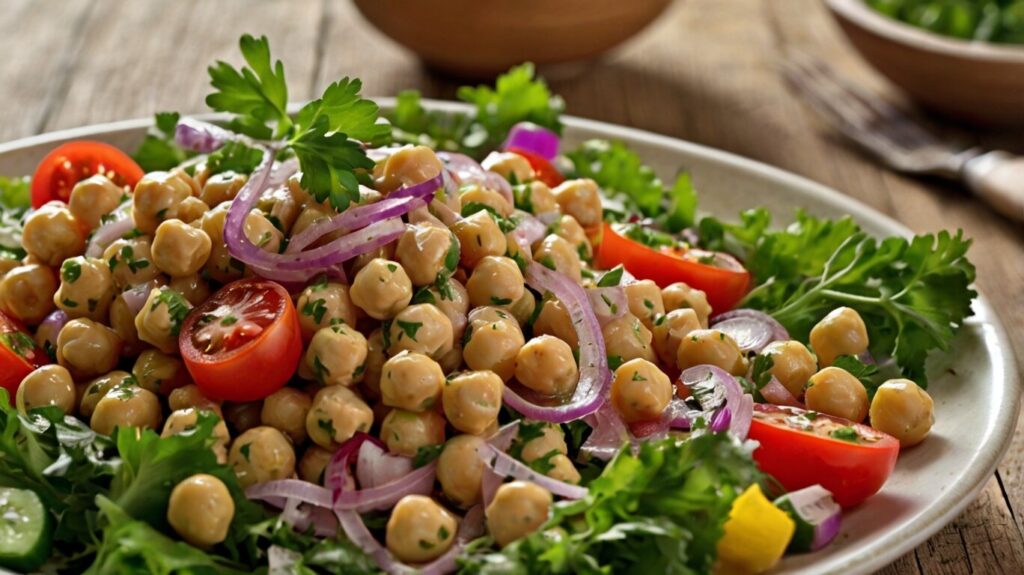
641	429
801	448
243	343
19	355
544	170
73	162
725	282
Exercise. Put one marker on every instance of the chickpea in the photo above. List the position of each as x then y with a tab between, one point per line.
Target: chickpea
518	509
627	338
682	296
554	319
261	454
93	198
483	316
324	304
495	281
157	197
243	416
93	391
191	210
52	234
510	166
336	355
281	207
26	293
792	364
193	288
571	231
122	321
558	254
336	415
460	469
191	182
411	381
472	401
535	197
86	288
220	266
421	328
381	289
551	440
189	395
423	252
494	347
405	432
581	200
262	232
841	332
286	410
902	409
712	347
312	215
835	391
546	365
87	348
644	299
130	261
179	249
183	420
407	167
376	355
222	187
313	463
451	361
419	530
201	510
126	406
159	320
479	236
7	263
476	194
386	252
453	302
563	469
640	391
47	385
670	330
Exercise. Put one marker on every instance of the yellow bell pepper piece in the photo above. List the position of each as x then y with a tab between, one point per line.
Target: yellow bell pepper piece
756	535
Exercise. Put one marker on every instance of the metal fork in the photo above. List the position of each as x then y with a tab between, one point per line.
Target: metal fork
901	143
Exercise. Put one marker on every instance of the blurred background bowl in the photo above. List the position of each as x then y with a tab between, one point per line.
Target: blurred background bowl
974	82
474	38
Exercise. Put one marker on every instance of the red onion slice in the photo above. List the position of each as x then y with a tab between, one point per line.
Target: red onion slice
505	465
717	390
375	467
608	303
54	322
275	492
107	234
752	329
775	393
608	435
529	230
594	376
817	517
468	171
135	296
419	481
202	137
533	138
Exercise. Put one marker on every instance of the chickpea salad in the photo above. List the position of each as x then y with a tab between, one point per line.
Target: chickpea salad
341	341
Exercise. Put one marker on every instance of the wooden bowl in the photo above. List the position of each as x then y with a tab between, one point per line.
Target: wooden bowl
974	82
480	39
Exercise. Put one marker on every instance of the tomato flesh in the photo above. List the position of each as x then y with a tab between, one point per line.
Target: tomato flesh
725	283
73	162
19	355
243	343
801	448
544	170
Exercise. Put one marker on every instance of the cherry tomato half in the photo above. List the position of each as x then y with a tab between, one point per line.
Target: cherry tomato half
19	355
725	282
801	448
545	171
243	343
73	162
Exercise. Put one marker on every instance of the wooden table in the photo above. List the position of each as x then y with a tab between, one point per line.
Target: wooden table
706	72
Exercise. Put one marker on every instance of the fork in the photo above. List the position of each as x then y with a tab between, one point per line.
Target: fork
901	143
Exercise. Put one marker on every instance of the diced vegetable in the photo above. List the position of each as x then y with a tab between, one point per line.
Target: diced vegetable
756	534
816	514
25	528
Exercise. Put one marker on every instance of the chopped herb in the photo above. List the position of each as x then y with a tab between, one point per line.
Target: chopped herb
845	434
427	453
638	377
500	300
18	342
327	425
70	271
229	320
612	277
315	309
409	327
69	303
177	307
614	361
244	450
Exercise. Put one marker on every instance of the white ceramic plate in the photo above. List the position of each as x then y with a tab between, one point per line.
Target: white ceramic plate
975	387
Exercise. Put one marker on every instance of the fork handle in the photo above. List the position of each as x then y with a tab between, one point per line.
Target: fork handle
998	178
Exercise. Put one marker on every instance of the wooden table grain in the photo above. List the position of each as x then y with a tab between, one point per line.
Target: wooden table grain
708	71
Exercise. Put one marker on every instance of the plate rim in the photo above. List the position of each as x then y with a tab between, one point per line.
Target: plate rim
868	558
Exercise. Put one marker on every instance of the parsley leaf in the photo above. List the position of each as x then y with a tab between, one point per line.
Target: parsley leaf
158	150
177	307
427	453
256	94
611	278
234	157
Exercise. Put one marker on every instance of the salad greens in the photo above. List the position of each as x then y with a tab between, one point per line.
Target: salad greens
660	510
984	20
15	199
158	150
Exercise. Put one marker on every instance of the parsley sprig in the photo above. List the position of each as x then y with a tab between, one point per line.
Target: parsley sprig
324	135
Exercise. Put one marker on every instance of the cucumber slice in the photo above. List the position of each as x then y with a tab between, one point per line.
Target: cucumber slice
25	526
